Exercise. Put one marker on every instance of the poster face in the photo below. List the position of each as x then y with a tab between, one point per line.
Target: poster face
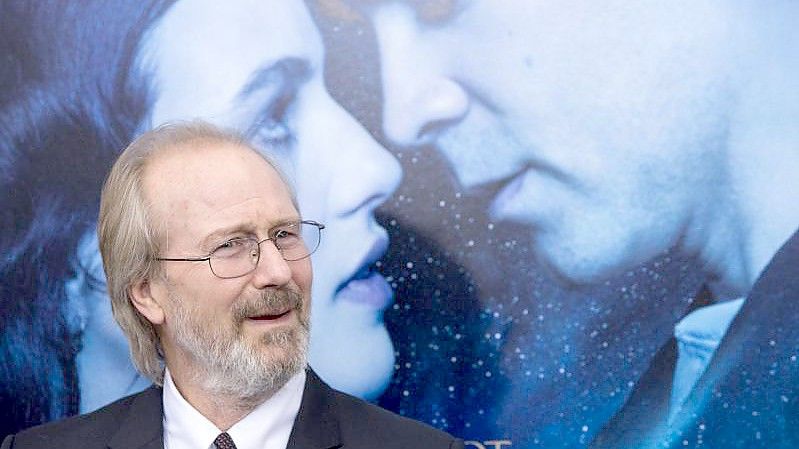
547	224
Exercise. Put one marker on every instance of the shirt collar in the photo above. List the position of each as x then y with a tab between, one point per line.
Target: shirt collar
698	336
267	426
705	327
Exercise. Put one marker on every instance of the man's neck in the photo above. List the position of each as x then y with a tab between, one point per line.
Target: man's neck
763	187
762	162
223	410
738	247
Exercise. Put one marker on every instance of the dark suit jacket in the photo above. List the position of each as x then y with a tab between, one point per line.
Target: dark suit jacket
749	395
327	419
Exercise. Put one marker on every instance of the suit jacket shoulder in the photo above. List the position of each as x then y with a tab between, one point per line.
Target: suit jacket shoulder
327	419
131	422
748	397
330	418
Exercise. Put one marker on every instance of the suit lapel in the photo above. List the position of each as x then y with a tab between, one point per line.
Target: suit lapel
143	427
316	426
644	416
748	395
645	412
752	367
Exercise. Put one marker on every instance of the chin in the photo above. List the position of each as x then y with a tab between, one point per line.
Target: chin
577	267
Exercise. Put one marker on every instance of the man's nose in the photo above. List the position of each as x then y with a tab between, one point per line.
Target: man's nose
272	269
419	99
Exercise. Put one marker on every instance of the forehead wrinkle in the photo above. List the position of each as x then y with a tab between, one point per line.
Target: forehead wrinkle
188	203
251	219
256	213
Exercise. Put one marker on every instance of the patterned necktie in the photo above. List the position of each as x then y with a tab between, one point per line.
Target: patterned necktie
223	441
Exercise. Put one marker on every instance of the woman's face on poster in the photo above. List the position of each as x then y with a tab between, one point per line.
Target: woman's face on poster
256	66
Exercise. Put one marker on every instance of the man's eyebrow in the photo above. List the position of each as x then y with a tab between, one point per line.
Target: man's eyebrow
283	73
214	237
245	228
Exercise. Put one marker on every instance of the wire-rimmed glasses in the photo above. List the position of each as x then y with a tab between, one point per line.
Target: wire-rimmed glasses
239	256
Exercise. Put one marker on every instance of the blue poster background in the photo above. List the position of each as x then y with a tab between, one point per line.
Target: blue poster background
490	338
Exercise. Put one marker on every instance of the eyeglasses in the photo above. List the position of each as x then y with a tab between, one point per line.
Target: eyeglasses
239	256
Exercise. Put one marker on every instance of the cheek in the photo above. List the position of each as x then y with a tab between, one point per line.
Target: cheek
205	294
302	275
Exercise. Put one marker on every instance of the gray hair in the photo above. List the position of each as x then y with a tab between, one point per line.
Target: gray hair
129	240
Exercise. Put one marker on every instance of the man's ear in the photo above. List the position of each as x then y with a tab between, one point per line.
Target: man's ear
141	294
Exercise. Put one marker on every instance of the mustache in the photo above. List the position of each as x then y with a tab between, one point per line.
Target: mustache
269	302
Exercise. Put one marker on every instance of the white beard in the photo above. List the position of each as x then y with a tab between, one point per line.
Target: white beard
225	364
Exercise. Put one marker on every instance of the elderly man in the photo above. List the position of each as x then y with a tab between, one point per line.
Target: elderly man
617	131
206	257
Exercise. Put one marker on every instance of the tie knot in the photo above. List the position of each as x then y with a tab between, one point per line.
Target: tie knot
223	441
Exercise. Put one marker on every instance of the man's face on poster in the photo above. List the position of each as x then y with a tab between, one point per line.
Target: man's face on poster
600	125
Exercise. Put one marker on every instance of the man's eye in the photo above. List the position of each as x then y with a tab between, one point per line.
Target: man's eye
286	237
231	248
284	234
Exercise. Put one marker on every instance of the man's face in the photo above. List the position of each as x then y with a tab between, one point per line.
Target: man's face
600	125
243	335
257	66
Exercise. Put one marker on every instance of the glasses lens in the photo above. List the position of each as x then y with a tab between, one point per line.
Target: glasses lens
298	241
238	257
235	258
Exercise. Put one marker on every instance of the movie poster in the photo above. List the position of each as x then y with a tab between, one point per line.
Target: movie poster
547	224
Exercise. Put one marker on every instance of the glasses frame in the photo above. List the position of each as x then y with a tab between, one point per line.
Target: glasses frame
209	256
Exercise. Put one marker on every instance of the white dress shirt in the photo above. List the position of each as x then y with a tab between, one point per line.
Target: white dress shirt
698	335
267	427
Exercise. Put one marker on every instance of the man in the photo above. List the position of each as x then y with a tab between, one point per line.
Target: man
78	84
206	257
617	131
